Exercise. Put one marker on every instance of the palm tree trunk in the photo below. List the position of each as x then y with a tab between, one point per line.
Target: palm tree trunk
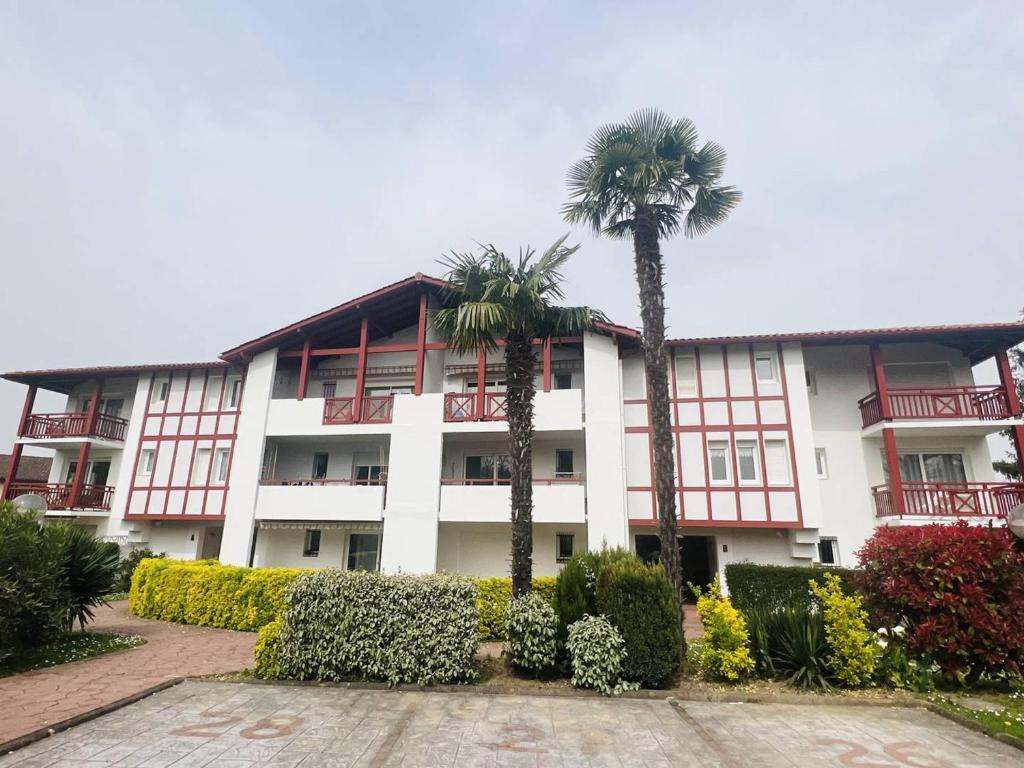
647	258
519	365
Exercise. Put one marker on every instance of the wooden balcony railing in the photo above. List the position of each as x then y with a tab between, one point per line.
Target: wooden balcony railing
465	406
949	499
374	410
987	403
46	425
58	495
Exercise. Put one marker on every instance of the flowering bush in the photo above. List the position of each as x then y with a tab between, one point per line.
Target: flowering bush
597	650
959	590
851	651
532	631
725	651
895	668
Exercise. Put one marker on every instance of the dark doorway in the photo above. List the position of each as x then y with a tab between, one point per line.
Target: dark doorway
696	552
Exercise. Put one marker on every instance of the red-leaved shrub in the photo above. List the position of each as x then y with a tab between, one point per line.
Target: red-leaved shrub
959	588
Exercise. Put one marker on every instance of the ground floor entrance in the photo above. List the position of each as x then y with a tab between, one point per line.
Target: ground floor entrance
697	554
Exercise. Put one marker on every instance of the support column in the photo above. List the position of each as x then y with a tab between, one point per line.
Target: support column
547	365
892	461
481	379
94	409
421	346
1013	403
364	335
12	469
79	479
881	385
304	370
12	465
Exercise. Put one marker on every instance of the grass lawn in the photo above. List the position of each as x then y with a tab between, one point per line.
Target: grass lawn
1000	712
115	596
72	646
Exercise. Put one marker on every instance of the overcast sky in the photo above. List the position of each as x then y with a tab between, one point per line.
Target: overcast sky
176	179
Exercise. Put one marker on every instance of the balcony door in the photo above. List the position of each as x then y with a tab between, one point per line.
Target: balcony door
96	472
930	468
488	469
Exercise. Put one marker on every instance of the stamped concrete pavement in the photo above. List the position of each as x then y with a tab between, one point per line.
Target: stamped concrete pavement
239	725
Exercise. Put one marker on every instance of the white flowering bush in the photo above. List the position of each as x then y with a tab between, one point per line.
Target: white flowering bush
597	649
896	668
345	625
532	627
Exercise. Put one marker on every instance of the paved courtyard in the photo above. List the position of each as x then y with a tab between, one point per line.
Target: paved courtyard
238	725
37	699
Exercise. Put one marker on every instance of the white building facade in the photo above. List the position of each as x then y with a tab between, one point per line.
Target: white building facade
355	438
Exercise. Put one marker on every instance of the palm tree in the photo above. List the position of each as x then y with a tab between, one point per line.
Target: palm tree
646	179
491	298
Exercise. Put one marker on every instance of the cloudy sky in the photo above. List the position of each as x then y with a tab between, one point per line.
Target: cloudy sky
178	178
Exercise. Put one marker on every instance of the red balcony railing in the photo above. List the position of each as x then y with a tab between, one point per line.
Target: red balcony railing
58	495
560	480
46	425
938	403
950	499
342	410
465	406
323	481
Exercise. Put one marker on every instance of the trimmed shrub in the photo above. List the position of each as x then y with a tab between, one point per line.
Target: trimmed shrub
532	633
344	625
267	653
596	650
32	609
208	594
576	588
724	652
127	566
639	601
495	594
763	586
851	649
789	643
958	589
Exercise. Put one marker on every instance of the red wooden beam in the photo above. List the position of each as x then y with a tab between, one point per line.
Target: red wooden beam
1006	379
26	409
880	382
94	408
547	365
12	469
892	461
421	345
481	378
79	478
364	335
303	370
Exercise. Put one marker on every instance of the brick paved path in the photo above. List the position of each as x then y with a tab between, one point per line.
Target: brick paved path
42	697
236	725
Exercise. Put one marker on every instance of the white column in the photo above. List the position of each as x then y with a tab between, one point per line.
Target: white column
116	525
607	521
248	459
409	544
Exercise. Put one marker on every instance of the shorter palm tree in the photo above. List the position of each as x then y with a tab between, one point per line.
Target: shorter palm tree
492	299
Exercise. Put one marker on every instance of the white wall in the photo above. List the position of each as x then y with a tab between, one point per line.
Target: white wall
561	502
484	549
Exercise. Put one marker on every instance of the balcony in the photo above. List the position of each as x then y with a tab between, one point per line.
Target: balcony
44	426
460	406
937	404
986	500
58	495
373	410
307	500
555	500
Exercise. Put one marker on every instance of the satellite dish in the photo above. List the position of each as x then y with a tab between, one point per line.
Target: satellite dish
1015	521
34	502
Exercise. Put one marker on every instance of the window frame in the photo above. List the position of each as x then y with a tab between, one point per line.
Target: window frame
147	462
755	458
222	456
725	447
161	391
559	557
821	463
313	469
349	553
786	454
234	385
494	479
560	378
572	461
311	548
834	546
772	362
690	388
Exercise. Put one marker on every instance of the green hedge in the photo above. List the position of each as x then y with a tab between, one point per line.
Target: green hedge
344	625
495	594
208	594
762	586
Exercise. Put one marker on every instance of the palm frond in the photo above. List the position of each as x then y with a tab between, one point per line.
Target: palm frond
711	206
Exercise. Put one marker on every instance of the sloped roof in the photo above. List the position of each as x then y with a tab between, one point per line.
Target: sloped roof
31	469
65	379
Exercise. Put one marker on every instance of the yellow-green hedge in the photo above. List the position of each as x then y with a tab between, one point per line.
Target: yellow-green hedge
495	594
209	594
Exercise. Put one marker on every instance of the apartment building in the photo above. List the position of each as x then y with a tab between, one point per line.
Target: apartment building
355	438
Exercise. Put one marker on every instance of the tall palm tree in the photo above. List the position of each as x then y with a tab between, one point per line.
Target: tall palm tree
492	299
646	179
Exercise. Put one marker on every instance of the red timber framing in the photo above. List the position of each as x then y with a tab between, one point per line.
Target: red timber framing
83	451
421	345
183	425
703	428
1013	401
15	460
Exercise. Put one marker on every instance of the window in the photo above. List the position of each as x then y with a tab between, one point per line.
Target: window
563	381
328	388
563	547
811	378
764	364
392	389
234	393
362	551
686	375
223	461
488	469
146	462
746	460
776	460
200	466
370	474
311	546
319	466
930	467
718	459
160	391
821	462
491	385
828	550
564	463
